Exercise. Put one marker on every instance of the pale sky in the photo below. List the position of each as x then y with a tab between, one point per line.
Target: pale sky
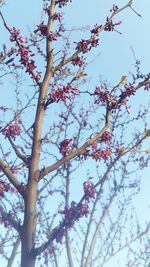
114	54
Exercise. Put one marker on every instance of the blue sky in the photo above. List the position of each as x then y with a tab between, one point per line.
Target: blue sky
113	58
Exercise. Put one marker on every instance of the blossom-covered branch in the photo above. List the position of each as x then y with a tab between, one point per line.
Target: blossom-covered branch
12	178
80	151
85	46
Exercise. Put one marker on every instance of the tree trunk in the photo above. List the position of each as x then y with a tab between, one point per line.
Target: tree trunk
29	226
26	259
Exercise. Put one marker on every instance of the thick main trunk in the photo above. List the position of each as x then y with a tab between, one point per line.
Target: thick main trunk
26	260
29	226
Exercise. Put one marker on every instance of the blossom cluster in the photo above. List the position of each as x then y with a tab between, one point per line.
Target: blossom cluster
65	146
78	61
63	93
85	45
15	35
147	83
129	90
41	29
101	154
110	26
103	95
5	187
25	54
62	3
96	29
106	137
12	130
75	211
89	190
71	214
58	16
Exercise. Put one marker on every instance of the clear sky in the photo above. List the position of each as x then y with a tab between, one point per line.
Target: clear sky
113	58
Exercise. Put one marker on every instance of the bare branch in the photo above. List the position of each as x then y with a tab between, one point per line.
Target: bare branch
17	151
129	242
10	218
14	252
93	241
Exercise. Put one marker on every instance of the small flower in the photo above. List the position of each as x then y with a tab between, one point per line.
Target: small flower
79	61
110	26
66	146
52	36
15	33
94	42
101	154
89	190
63	3
129	90
57	16
83	45
5	187
96	29
12	130
106	137
102	94
62	93
41	29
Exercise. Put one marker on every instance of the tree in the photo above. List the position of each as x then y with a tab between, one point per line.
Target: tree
56	130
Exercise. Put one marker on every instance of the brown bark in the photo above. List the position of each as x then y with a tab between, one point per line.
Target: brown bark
29	226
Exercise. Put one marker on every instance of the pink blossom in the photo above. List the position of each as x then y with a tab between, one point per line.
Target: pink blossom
83	45
12	130
79	61
110	26
101	154
106	137
66	147
5	187
62	93
41	29
129	90
101	94
53	36
96	29
57	16
94	42
62	3
89	190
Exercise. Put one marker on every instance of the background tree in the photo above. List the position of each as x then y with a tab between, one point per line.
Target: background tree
69	150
